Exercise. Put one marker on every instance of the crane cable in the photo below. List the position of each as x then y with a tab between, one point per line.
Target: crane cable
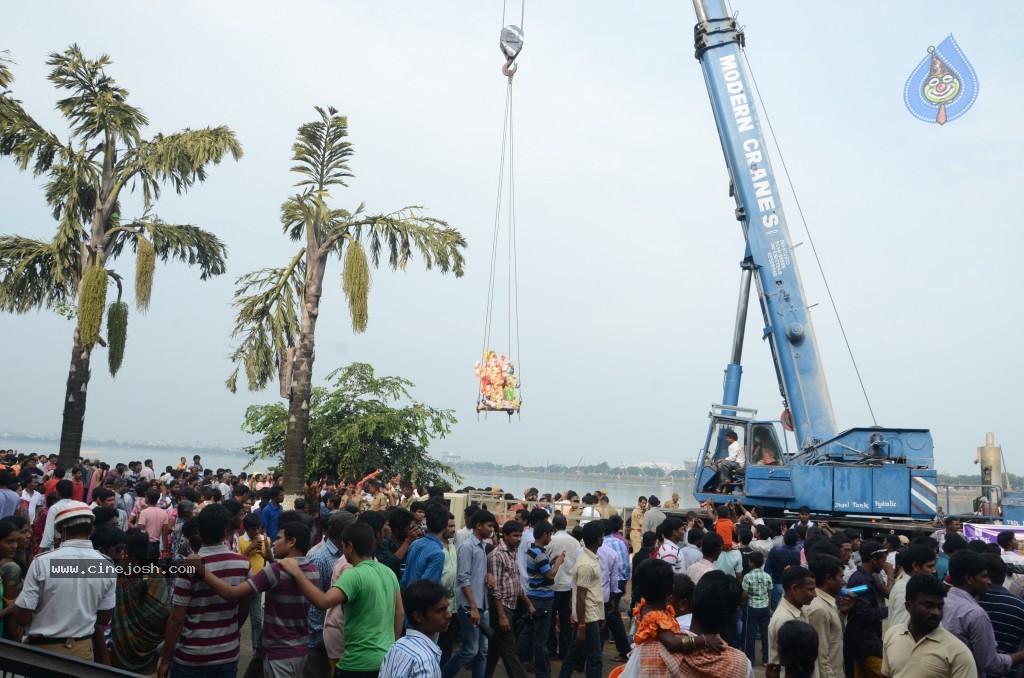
511	44
810	239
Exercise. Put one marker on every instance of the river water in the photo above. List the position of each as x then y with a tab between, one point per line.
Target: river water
621	491
161	456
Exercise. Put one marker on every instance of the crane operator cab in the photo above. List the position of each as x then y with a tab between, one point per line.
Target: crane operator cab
757	465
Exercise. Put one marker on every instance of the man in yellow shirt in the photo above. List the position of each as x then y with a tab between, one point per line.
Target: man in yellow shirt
826	617
253	545
407	497
799	590
636	524
257	548
381	501
588	608
921	648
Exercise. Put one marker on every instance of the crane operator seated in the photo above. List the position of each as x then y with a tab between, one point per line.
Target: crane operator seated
732	463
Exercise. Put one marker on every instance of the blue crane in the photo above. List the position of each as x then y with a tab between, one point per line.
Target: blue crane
860	471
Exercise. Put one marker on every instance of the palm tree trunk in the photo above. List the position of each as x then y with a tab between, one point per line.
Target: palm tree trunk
74	405
297	431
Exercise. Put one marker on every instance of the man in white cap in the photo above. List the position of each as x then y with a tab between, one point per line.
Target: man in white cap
69	593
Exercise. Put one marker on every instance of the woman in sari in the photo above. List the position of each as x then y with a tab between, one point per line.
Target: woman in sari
140	615
714	605
96	480
658	637
10	582
40	524
24	530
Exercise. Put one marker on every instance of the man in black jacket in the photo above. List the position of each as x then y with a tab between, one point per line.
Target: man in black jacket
862	644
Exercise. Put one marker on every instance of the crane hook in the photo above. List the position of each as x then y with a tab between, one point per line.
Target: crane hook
511	42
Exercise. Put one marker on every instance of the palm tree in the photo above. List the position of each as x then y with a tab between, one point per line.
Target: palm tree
277	308
85	177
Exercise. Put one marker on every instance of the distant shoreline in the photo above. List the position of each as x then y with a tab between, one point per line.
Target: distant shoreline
540	472
147	444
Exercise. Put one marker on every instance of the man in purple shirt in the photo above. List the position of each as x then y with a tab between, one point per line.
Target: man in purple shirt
966	619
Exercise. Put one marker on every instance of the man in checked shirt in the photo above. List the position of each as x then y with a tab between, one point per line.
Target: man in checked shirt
505	588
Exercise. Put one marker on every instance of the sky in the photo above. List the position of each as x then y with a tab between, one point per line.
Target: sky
628	250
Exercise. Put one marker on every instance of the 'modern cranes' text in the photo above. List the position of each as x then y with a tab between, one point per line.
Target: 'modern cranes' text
751	147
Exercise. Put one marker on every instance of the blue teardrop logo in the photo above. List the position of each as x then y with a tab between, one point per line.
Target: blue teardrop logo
943	86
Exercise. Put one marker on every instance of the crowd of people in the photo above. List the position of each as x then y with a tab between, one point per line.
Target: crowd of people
158	572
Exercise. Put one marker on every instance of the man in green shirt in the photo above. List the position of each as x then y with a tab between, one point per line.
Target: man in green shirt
373	604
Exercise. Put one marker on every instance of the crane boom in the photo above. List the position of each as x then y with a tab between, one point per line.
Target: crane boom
788	324
872	470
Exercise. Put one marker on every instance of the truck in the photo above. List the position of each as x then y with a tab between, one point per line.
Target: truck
865	474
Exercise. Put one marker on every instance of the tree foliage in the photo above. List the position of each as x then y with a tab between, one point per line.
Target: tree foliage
359	423
91	304
86	169
355	283
84	179
117	335
145	267
268	302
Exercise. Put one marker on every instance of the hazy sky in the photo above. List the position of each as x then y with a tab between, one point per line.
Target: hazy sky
628	249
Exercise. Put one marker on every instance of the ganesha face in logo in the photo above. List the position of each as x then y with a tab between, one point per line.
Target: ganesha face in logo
945	84
942	85
941	89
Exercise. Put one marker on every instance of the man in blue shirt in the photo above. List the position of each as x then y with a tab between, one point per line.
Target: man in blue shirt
541	571
425	559
613	619
272	511
779	558
471	596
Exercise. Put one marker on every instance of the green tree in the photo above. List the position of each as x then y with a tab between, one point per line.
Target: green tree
277	308
359	423
85	177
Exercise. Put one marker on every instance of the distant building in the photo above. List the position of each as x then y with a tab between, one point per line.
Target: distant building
451	459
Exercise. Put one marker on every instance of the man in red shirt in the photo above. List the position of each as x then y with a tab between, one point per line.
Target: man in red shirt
76	480
51	484
725	528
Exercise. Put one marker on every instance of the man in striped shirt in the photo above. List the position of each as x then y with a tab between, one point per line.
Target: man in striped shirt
505	590
533	641
672	531
416	655
283	646
202	631
1004	609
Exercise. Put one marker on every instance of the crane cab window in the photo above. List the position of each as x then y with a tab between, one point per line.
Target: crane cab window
719	446
765	449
